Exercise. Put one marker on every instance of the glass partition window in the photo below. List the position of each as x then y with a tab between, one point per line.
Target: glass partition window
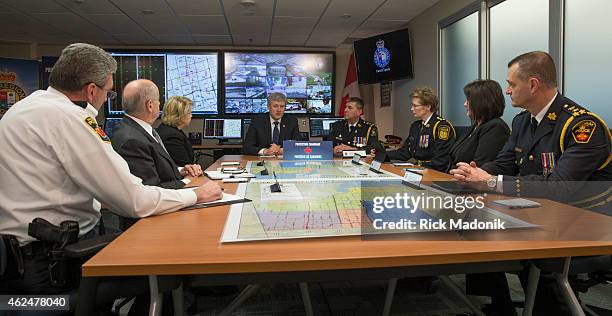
460	65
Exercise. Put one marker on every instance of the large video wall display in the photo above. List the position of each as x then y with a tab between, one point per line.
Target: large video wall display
305	78
192	75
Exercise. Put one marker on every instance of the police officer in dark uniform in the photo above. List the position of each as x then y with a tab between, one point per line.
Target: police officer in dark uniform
354	133
556	150
430	138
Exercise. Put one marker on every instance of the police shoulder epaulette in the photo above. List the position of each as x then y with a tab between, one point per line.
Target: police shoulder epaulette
442	129
575	110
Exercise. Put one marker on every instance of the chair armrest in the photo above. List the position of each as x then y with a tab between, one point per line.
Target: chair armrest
88	247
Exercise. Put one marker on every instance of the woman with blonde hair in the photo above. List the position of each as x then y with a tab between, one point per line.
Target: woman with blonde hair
177	116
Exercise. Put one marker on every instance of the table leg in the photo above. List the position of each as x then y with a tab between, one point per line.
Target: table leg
178	301
155	307
389	297
567	291
532	288
306	298
243	296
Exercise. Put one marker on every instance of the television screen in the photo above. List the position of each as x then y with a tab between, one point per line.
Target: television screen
192	75
222	128
321	126
306	79
384	57
110	124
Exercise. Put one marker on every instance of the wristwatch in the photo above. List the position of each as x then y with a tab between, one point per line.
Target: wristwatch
492	182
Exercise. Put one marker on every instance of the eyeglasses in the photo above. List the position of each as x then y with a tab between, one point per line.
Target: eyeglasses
110	94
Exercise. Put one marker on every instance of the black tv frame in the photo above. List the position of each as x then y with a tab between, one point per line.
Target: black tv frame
220	72
393	79
252	115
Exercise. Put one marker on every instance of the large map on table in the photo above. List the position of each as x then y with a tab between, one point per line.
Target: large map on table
329	198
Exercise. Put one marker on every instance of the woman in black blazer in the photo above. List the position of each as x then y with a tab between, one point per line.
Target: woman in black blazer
488	134
176	116
481	143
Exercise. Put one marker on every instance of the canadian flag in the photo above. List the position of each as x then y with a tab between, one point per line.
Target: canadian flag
351	88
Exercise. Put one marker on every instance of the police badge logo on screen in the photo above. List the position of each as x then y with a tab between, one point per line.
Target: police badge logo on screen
382	57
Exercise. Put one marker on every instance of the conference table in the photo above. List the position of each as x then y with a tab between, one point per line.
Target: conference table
188	243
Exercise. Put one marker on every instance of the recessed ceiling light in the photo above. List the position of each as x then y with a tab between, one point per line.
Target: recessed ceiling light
346	16
247	3
147	12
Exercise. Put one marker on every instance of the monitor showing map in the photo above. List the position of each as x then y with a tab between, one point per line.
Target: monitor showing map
189	74
307	79
222	128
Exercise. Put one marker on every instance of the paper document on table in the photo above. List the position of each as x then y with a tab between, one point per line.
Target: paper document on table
218	175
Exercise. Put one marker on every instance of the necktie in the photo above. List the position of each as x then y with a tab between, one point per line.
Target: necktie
158	139
351	129
276	134
534	125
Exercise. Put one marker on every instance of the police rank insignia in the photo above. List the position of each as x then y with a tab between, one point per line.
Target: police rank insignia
97	129
583	131
443	132
552	116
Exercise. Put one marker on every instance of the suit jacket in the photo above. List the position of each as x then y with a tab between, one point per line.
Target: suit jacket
365	135
570	146
481	143
428	144
177	144
259	134
145	157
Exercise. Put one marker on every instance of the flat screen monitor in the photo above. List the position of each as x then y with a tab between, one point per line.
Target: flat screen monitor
246	122
222	128
321	126
384	57
110	124
189	74
306	79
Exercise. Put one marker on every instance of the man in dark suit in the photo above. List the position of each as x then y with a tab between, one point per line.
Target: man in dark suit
139	144
557	150
354	133
267	133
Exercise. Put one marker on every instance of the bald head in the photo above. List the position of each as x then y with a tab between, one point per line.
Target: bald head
136	95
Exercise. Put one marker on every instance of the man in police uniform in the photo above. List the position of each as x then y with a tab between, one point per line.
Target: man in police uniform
56	163
556	148
430	138
353	132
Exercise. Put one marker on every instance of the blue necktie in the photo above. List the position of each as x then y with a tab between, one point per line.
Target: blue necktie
276	134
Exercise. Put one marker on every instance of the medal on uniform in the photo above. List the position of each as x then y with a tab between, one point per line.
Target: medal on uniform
548	163
424	141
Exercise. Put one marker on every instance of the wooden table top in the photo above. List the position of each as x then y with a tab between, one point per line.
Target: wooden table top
189	243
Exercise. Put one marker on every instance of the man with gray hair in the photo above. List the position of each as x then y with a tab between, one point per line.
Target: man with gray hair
139	144
56	163
267	133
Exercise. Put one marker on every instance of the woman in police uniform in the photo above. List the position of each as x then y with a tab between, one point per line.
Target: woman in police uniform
430	138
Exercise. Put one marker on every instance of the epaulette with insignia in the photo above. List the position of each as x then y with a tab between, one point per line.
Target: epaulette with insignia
574	109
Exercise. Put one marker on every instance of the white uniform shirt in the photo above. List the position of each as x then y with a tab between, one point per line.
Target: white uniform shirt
55	166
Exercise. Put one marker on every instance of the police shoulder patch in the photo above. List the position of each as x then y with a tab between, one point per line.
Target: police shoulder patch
443	132
583	130
97	129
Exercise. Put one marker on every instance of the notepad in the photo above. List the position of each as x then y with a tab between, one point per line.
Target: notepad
516	203
225	200
218	175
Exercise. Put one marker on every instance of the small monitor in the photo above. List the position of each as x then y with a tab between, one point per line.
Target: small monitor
246	122
110	124
222	128
321	126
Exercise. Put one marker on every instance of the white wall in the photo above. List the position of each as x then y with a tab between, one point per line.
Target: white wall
423	34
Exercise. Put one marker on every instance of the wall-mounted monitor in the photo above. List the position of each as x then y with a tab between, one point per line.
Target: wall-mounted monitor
190	74
307	79
384	57
222	128
321	126
109	125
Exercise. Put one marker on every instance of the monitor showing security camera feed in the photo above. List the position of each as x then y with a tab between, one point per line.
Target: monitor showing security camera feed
306	79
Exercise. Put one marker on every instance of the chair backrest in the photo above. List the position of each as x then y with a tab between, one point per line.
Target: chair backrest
3	255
